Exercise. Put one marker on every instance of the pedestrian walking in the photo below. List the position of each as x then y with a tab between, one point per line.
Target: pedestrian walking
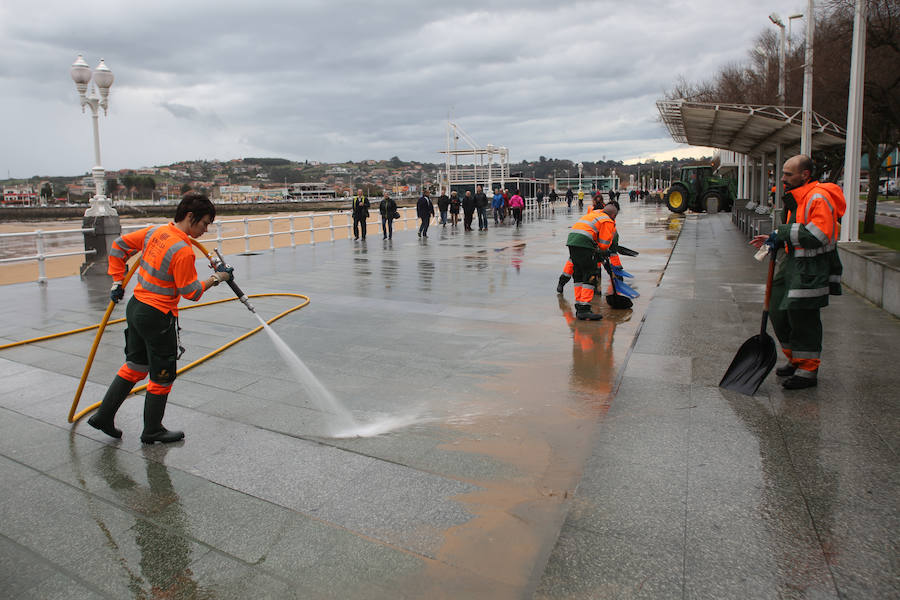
468	206
569	197
388	208
517	204
497	205
580	199
809	274
360	214
454	209
481	204
424	210
165	275
443	206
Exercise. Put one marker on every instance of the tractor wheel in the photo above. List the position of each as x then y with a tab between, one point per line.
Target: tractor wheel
712	202
677	198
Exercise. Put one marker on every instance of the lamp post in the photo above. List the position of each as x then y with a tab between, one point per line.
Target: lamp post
103	80
806	131
580	168
777	21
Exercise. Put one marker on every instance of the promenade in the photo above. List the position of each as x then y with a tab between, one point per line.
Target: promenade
543	457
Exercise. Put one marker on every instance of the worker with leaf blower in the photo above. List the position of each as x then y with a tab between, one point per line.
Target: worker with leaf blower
166	274
810	272
589	241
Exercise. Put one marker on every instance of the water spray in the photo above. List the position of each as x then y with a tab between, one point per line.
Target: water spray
217	262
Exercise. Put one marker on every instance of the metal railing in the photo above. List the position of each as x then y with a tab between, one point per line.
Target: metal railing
336	221
298	225
41	255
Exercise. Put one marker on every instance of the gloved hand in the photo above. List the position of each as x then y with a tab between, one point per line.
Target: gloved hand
221	276
772	241
225	268
116	292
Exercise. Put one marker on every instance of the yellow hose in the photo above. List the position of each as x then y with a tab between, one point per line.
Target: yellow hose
101	326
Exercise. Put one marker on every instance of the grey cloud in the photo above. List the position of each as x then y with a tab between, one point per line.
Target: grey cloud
332	80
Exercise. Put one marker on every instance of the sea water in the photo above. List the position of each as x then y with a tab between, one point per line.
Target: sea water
340	423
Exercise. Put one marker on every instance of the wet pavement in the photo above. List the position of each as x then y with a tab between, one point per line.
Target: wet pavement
547	458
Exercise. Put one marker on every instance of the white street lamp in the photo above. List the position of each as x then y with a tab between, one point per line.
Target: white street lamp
103	80
580	168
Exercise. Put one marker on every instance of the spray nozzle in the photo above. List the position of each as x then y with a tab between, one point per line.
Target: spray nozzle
218	263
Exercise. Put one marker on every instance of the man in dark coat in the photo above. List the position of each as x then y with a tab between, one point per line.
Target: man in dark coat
481	204
468	204
443	205
424	210
360	214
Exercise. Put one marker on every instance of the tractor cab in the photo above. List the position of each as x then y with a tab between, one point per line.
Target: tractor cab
699	190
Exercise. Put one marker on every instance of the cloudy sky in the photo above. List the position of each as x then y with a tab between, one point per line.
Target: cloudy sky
336	80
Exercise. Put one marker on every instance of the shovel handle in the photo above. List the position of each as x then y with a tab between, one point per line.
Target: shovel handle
769	278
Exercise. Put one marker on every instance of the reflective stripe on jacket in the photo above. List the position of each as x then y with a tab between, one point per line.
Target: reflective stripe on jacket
167	269
595	230
813	268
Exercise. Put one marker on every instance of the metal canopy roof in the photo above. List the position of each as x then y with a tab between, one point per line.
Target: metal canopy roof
745	128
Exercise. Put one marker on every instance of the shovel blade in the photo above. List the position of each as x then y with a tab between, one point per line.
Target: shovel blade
618	302
623	289
751	365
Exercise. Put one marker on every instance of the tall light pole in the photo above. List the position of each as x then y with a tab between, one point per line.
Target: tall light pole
806	132
850	231
103	80
580	168
777	21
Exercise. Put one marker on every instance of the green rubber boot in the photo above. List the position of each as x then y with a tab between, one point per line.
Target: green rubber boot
154	409
104	418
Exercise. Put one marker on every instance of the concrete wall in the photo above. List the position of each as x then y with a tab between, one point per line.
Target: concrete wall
873	272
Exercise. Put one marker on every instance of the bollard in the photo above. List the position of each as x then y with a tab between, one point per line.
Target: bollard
106	229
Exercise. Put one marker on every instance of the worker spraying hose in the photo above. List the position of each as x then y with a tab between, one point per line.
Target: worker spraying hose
166	272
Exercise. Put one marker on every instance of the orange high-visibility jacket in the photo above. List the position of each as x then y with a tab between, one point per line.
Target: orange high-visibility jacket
167	266
813	268
594	230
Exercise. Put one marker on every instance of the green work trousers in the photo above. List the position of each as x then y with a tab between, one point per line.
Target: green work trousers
151	341
800	330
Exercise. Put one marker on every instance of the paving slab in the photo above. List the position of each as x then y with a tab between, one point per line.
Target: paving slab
541	457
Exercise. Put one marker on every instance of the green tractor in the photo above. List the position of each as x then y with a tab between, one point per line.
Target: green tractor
699	190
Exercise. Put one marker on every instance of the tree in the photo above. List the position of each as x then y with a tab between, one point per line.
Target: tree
111	186
757	82
47	191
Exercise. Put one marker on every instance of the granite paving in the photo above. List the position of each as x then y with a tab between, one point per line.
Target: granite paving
521	453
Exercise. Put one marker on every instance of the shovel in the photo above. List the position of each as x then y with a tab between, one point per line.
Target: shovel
755	359
622	292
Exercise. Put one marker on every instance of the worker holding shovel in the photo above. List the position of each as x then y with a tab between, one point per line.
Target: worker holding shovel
588	242
810	272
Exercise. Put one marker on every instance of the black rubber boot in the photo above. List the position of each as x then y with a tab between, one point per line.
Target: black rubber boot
796	382
785	371
104	418
583	313
154	409
563	280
